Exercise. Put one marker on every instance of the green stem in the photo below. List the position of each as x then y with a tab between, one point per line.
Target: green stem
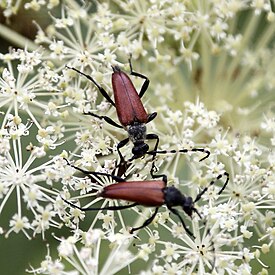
16	38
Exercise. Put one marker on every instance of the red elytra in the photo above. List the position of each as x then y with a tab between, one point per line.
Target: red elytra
127	101
147	193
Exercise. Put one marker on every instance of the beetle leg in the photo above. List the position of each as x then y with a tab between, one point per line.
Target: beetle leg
162	176
146	223
120	145
122	167
211	183
151	117
146	82
89	173
175	211
106	118
154	176
153	136
102	90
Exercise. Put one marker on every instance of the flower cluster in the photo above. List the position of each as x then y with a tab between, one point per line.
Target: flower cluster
25	179
211	70
86	258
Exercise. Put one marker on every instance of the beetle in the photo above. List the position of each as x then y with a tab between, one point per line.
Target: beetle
130	110
149	193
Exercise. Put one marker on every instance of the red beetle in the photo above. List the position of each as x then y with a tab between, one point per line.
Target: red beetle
131	114
130	110
151	193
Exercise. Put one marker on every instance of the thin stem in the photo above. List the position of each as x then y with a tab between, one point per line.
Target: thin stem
16	38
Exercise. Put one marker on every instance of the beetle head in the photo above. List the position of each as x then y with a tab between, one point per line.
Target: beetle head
139	149
188	206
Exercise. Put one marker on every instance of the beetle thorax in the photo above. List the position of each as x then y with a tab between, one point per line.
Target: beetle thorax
137	132
173	197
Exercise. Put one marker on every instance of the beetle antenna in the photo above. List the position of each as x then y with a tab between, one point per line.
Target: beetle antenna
196	211
211	183
101	89
184	150
114	208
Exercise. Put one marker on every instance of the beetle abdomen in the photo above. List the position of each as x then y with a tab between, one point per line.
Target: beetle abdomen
128	104
147	193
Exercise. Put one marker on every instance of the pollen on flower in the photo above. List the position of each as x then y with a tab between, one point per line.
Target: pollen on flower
265	248
108	219
169	252
248	207
144	251
18	224
246	234
66	247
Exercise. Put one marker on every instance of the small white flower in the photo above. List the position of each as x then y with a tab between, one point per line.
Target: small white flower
169	253
66	247
233	44
58	49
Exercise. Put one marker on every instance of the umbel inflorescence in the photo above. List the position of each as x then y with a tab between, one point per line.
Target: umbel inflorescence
211	70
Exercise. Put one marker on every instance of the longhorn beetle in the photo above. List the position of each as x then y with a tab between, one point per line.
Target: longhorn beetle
150	193
130	110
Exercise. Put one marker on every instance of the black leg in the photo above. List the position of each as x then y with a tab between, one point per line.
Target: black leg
146	82
120	145
115	178
153	136
153	167
156	137
106	118
162	176
121	168
102	91
211	183
147	222
197	212
151	117
175	211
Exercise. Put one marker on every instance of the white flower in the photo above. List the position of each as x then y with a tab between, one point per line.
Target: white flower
211	70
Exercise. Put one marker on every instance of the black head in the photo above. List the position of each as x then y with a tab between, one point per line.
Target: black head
139	149
116	69
188	206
